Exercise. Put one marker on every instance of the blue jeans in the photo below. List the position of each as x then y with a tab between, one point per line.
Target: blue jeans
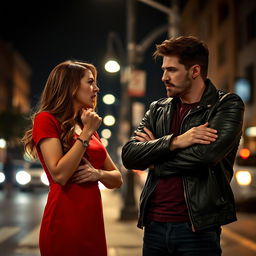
178	239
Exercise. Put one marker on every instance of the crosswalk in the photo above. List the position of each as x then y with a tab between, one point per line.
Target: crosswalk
7	232
27	244
31	239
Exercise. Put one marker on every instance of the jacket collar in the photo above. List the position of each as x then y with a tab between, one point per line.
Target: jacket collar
210	94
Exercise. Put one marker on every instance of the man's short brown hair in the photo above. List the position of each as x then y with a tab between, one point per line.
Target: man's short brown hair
189	49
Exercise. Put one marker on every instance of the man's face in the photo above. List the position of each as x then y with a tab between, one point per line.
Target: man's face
177	79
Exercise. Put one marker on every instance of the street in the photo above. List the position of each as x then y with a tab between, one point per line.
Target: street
20	222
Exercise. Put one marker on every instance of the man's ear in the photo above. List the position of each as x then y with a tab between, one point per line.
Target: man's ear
196	71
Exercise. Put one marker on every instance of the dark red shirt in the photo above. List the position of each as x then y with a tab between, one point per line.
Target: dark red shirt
167	203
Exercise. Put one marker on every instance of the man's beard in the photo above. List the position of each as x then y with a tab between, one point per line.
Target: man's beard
183	86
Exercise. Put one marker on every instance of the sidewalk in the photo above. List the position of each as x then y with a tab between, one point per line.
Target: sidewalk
123	237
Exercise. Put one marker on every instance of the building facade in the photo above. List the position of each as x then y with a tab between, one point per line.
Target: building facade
246	65
14	80
229	29
14	97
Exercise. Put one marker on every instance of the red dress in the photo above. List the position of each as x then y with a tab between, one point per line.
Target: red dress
72	223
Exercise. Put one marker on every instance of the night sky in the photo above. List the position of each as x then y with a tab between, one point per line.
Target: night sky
46	33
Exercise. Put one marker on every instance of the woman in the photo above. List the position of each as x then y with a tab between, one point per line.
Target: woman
64	137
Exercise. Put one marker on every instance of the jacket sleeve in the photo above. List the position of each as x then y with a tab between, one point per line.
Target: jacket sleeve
140	155
227	119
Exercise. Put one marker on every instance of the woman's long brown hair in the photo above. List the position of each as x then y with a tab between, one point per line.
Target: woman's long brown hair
57	99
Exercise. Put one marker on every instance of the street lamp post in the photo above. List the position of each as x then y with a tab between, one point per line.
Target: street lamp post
135	56
129	209
172	13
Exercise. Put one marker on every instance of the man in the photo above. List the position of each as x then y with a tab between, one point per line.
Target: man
188	141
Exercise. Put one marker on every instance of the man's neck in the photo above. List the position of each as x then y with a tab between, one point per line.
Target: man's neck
198	87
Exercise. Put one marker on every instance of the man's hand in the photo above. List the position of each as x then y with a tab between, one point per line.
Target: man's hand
147	136
197	135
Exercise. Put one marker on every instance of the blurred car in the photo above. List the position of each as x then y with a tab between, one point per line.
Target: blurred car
244	181
2	178
31	176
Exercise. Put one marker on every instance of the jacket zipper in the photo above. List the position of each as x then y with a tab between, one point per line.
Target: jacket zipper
142	212
189	112
183	179
186	200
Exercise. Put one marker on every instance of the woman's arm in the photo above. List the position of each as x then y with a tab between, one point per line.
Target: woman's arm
60	166
111	176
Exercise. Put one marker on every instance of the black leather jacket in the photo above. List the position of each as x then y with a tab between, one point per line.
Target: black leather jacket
206	169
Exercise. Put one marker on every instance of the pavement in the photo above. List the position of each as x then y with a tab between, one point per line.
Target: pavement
123	237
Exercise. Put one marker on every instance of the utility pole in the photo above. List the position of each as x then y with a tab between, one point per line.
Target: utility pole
172	13
135	56
130	209
174	19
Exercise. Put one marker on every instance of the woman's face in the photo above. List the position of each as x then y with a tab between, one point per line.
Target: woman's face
86	95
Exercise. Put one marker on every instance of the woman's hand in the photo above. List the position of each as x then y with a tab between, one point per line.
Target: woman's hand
86	172
90	119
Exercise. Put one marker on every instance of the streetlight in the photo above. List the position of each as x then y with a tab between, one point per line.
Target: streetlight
134	54
106	133
109	99
112	66
109	120
2	143
115	53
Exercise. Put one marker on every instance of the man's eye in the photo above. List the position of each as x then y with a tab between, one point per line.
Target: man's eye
170	69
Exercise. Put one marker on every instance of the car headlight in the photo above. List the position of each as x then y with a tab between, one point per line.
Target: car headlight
44	179
243	178
23	177
2	177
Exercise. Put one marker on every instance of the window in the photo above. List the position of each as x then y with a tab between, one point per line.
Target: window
249	74
243	89
221	53
244	85
205	28
202	4
223	12
251	26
